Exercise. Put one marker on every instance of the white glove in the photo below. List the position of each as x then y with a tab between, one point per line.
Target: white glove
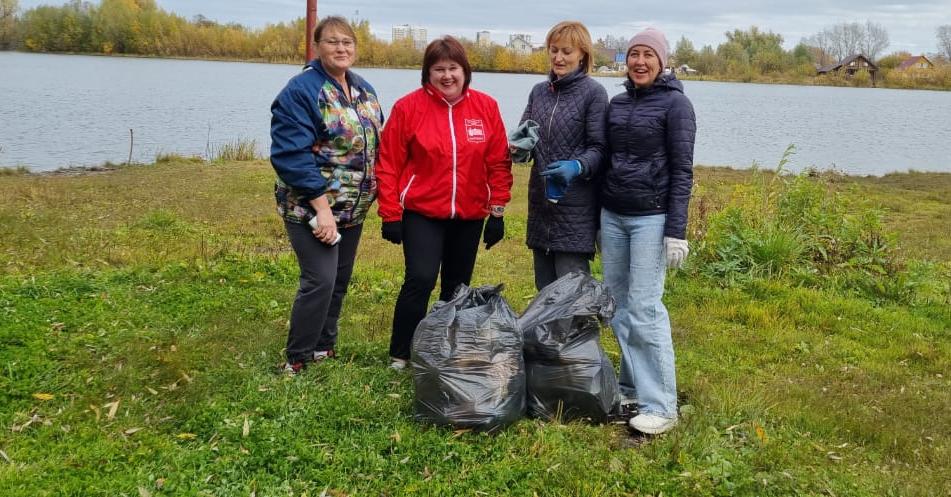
676	251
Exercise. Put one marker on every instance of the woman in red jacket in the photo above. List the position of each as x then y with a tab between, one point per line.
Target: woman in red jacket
444	171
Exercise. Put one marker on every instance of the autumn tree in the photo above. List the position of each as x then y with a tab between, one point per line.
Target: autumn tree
874	40
763	51
8	19
842	40
707	61
684	53
944	40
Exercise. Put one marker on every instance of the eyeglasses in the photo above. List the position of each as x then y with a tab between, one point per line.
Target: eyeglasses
347	43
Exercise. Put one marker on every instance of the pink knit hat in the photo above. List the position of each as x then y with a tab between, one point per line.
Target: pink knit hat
655	39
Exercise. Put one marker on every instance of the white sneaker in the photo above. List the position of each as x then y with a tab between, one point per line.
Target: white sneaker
652	424
397	364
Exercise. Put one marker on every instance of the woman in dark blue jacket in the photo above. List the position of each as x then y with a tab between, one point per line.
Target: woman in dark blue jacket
644	196
570	110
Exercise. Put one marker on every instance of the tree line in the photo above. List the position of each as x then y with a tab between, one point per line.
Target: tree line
141	27
756	55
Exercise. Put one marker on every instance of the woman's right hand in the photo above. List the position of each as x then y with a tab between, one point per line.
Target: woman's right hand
324	225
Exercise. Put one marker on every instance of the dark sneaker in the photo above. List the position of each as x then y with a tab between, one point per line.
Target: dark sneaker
321	355
292	368
397	364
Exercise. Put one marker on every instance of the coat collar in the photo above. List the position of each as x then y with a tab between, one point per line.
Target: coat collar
352	79
436	95
560	84
663	82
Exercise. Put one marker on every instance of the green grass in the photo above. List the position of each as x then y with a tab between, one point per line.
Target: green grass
162	294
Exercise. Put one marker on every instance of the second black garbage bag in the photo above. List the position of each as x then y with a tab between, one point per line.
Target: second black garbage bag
468	369
568	374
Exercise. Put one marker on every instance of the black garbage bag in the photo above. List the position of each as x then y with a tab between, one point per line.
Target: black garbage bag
568	374
468	368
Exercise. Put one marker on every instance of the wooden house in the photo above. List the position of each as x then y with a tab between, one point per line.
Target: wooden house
917	62
851	65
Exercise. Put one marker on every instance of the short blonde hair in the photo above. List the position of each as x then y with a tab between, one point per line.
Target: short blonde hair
577	35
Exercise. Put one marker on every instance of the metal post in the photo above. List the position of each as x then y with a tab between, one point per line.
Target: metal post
311	24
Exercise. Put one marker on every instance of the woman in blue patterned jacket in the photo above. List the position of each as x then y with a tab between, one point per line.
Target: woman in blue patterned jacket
325	130
644	196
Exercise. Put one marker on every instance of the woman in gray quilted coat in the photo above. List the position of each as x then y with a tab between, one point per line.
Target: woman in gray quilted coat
570	109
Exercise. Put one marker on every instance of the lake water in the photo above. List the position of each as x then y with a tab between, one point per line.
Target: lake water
66	110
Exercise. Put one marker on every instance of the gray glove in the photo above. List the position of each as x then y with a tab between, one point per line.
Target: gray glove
676	251
522	141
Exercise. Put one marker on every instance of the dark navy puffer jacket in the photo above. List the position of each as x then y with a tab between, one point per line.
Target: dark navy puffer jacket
572	114
651	134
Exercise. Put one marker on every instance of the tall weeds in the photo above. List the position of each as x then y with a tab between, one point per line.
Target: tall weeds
807	229
238	150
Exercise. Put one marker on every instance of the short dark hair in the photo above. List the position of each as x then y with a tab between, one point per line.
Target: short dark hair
334	22
446	47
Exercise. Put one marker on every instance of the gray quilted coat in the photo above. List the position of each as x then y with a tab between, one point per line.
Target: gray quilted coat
572	112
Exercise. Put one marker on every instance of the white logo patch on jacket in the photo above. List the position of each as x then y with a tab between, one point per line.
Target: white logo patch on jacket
475	132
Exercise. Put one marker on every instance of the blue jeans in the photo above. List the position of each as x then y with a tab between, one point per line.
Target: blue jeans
634	265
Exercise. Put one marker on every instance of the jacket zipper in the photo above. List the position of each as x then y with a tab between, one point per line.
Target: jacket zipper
365	144
354	108
550	120
552	117
452	134
406	190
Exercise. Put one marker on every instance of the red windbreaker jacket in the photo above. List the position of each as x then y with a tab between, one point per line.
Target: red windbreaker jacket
443	161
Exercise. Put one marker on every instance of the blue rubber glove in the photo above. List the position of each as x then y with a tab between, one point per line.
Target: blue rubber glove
562	171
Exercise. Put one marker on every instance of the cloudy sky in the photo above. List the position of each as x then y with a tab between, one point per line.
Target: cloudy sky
911	25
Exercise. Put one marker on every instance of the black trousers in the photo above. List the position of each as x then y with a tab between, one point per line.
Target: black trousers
324	276
549	266
431	247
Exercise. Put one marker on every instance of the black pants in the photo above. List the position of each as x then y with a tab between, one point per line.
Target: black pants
431	247
324	275
549	266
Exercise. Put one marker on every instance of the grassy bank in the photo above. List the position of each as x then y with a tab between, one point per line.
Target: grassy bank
142	312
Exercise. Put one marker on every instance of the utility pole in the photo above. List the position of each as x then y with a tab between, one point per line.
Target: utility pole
311	24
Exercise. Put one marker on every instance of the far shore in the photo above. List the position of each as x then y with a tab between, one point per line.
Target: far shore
108	167
764	80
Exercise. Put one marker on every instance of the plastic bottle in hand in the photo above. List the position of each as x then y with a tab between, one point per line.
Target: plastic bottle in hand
312	221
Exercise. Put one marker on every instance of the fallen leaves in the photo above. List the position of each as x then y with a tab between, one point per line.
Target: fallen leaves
760	432
43	396
113	408
33	419
186	436
246	429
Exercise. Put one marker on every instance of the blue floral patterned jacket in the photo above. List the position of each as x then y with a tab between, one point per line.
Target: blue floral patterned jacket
321	142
